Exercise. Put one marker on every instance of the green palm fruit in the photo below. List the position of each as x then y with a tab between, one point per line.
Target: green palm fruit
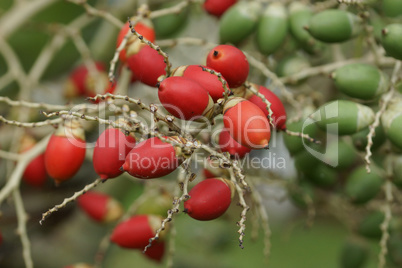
361	186
391	40
343	117
334	26
272	28
238	22
362	81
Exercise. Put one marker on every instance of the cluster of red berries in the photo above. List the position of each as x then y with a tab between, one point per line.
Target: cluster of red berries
208	91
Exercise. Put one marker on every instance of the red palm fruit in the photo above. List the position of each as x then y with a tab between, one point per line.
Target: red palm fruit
100	207
208	81
151	158
110	152
156	251
246	123
79	80
212	169
65	151
184	98
35	172
147	65
136	231
218	7
277	107
230	62
133	45
228	144
209	199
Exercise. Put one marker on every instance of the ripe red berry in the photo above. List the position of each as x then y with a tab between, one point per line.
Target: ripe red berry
209	199
35	172
147	65
156	251
184	98
65	151
136	231
151	158
277	107
208	81
228	144
100	207
133	45
82	83
230	62
212	169
218	7
247	124
110	152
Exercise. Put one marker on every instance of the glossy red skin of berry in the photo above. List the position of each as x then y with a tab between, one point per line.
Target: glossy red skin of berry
277	107
79	76
247	125
133	233
147	65
208	81
63	158
35	173
144	30
110	152
218	7
183	97
228	144
150	159
156	251
230	62
209	200
208	174
94	204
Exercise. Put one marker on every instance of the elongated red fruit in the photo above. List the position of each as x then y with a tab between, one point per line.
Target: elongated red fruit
277	107
133	45
35	172
110	152
218	7
228	144
151	158
247	124
100	207
230	62
136	231
156	251
184	98
82	82
208	81
209	199
65	151
147	65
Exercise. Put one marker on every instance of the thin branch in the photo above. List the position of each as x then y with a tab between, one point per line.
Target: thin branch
70	199
384	101
243	213
385	224
176	203
22	228
98	13
34	105
24	159
31	125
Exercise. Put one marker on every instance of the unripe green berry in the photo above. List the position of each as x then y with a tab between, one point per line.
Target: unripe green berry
334	26
391	40
361	81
